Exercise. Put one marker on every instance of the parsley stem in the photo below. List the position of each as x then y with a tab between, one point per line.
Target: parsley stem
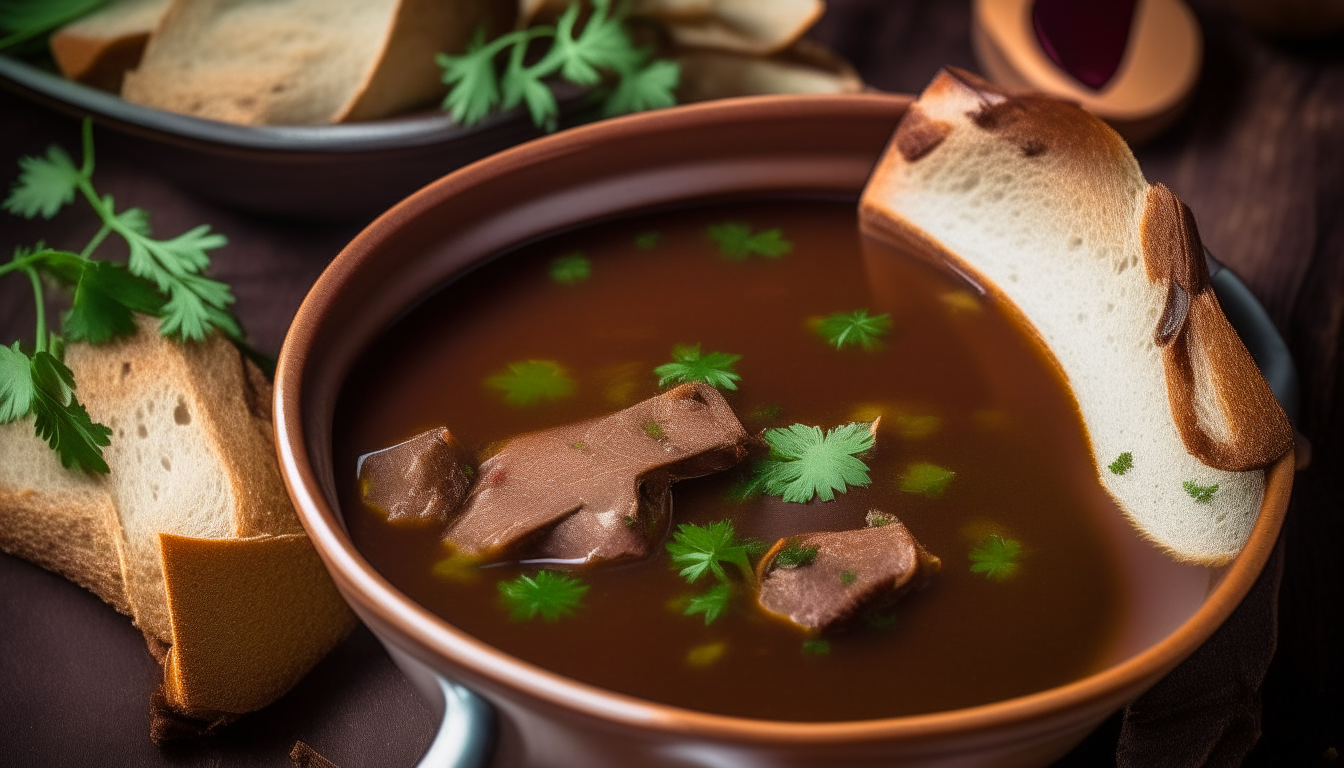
41	344
86	134
95	242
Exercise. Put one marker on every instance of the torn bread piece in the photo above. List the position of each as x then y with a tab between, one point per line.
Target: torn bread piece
1045	206
192	532
304	62
805	68
599	489
99	48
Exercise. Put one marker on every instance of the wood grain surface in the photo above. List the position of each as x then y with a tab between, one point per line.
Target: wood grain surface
1259	158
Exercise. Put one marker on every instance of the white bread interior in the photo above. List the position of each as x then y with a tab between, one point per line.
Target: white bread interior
97	49
193	464
1046	207
296	62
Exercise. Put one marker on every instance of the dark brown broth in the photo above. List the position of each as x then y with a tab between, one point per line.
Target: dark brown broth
1009	428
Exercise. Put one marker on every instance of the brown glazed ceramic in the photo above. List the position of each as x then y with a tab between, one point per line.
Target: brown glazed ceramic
739	149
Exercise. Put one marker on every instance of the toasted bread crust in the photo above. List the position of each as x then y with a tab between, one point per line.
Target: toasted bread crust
1224	410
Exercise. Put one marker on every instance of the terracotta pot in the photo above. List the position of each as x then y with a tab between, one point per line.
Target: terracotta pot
738	149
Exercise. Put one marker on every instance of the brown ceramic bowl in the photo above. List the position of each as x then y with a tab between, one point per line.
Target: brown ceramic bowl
731	150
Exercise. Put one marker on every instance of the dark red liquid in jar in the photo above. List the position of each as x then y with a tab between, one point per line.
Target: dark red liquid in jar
1086	38
1006	424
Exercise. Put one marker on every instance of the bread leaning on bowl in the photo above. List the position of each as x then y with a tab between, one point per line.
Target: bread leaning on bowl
191	533
1043	204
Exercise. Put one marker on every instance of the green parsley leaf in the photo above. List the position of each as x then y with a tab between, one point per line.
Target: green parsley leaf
848	577
736	241
749	484
196	304
712	603
647	241
474	91
697	549
21	21
531	382
548	594
804	462
1200	493
816	647
105	298
854	329
16	384
715	368
44	186
1122	464
652	429
570	269
794	555
652	86
925	478
61	420
995	557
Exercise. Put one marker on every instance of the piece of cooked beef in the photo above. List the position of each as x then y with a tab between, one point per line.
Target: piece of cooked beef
598	489
424	479
821	580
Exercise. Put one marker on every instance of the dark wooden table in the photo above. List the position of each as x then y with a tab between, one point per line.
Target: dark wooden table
1259	158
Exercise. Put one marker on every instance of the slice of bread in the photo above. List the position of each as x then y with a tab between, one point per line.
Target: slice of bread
807	67
97	49
295	62
745	26
192	531
1045	207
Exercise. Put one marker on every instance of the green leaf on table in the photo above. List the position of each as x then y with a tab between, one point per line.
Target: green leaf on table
531	382
853	329
805	463
548	594
926	479
736	241
996	557
688	364
44	186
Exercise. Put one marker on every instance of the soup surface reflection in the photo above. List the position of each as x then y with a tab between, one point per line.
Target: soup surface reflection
960	385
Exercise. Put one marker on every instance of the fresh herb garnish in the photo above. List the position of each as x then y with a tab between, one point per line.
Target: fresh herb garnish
736	241
877	519
647	241
1122	464
603	50
927	479
794	555
714	369
162	278
804	462
749	484
1200	493
995	557
531	382
22	21
854	329
548	594
697	549
652	429
816	647
571	268
848	577
711	603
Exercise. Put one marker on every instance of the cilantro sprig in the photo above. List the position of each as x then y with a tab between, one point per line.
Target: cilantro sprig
806	463
531	382
548	594
601	52
162	278
853	329
700	549
736	241
995	557
689	364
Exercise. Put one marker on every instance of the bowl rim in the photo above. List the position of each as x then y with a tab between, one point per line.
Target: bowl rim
418	629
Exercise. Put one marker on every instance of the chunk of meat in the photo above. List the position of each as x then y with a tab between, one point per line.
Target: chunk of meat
846	573
424	479
598	489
